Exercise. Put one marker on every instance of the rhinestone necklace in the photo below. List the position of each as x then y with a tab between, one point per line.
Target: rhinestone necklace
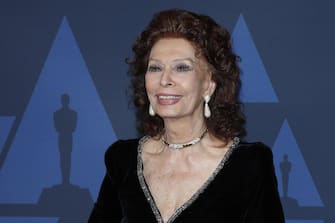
183	145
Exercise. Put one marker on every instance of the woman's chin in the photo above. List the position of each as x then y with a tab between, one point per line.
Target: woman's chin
169	115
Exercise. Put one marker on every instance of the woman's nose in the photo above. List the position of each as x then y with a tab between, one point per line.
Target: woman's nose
166	79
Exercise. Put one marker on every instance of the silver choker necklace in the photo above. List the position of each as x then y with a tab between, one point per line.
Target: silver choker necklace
183	145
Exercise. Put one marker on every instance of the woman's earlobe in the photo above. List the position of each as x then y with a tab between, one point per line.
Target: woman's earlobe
212	87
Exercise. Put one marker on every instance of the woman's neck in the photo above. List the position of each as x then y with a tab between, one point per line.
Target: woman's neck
183	131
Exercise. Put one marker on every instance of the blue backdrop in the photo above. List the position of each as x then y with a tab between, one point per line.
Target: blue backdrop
49	49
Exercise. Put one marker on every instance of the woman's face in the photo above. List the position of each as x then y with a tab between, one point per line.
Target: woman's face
177	80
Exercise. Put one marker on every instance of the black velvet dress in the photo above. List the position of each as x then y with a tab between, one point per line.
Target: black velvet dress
243	188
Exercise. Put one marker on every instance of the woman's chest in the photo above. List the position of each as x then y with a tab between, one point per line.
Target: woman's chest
171	189
176	187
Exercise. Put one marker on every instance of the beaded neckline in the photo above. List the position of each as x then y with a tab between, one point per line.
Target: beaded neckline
149	196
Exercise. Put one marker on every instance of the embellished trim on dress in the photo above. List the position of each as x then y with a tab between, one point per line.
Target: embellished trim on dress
179	210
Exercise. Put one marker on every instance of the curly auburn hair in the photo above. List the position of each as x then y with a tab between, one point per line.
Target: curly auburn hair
212	42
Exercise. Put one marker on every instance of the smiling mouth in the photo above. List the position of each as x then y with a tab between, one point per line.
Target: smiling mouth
168	99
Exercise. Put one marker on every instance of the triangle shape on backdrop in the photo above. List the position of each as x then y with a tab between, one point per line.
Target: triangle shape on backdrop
256	85
33	159
301	186
6	123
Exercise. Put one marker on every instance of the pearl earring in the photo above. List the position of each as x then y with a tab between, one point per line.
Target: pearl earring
151	111
207	111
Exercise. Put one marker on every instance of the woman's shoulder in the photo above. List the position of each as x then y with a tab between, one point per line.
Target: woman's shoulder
253	153
122	147
253	147
121	157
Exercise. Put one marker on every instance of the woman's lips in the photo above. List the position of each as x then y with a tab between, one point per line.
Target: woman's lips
168	99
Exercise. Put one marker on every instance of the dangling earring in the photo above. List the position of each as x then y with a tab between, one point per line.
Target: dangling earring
207	111
151	111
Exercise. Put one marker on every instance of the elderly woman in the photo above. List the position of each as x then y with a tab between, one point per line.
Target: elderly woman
191	165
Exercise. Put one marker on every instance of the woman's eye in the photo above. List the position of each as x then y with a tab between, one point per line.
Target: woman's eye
183	68
154	68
